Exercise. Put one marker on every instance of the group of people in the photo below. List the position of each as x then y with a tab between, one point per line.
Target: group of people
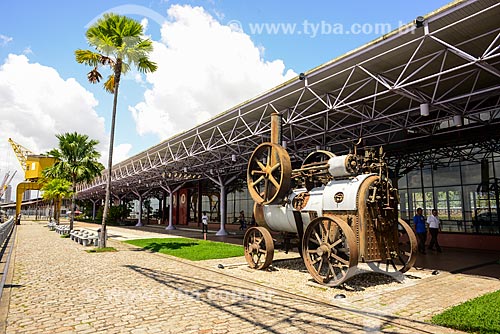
241	220
432	224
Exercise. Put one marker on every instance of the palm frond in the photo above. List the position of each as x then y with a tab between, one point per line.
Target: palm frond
145	46
107	61
144	65
88	57
125	67
94	76
109	85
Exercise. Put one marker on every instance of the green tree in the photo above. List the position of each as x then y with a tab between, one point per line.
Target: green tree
119	44
76	161
117	214
56	190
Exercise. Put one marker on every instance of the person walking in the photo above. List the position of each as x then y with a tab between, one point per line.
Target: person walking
204	222
242	221
420	230
434	226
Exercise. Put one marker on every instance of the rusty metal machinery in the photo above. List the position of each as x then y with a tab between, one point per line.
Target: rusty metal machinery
343	209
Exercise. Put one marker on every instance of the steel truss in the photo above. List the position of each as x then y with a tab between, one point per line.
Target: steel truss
402	163
452	64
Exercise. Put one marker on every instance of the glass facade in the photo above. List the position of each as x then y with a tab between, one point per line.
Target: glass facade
236	201
465	193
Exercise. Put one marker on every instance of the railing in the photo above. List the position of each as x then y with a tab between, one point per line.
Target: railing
5	234
469	227
5	230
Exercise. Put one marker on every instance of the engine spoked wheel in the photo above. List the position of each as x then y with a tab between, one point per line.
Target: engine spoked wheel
404	257
269	173
259	247
330	250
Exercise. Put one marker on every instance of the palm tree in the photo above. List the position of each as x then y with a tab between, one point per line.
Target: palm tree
76	161
56	190
118	42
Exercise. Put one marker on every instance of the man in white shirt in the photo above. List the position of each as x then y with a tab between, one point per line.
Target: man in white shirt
434	225
204	222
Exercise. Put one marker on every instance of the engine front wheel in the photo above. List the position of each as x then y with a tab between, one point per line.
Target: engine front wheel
330	250
259	247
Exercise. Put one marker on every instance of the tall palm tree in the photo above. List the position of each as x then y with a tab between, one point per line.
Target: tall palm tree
56	190
118	42
76	161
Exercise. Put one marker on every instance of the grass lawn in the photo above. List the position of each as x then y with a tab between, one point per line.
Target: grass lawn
101	250
479	315
191	249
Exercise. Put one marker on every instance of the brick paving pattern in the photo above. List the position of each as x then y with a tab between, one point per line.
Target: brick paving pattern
59	288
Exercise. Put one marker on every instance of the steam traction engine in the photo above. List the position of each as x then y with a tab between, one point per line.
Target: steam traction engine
343	209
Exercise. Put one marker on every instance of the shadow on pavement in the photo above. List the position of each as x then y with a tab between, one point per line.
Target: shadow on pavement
275	311
463	261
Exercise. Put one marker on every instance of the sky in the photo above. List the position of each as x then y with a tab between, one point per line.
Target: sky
211	56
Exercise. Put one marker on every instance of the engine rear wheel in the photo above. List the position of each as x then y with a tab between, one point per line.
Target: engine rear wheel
404	257
269	174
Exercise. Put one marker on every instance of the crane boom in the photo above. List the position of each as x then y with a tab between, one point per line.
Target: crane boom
11	177
21	153
6	182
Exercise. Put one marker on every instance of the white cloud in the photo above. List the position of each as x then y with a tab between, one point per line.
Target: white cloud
120	153
36	104
27	51
144	24
219	15
138	78
4	40
204	68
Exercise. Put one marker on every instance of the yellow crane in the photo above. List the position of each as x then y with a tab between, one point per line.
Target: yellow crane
33	165
6	181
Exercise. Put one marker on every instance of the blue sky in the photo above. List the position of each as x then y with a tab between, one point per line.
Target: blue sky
248	46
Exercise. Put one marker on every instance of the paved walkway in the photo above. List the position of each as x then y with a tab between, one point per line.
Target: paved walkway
59	288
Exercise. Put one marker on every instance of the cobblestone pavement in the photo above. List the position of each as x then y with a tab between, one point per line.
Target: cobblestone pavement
59	288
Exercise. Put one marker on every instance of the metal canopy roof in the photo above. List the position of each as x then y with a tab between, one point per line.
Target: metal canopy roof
451	63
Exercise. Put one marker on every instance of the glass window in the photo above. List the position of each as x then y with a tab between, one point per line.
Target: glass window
239	201
470	202
402	183
403	204
416	200
455	204
210	204
447	176
492	169
414	179
471	173
449	203
427	177
485	213
429	202
496	172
